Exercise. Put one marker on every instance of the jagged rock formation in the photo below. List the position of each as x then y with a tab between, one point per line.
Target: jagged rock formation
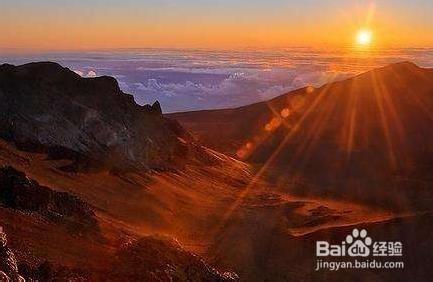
156	108
19	192
45	107
8	262
163	259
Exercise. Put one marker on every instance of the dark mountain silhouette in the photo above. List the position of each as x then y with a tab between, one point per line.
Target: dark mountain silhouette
45	107
365	138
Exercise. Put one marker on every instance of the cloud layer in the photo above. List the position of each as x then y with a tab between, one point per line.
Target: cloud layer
185	80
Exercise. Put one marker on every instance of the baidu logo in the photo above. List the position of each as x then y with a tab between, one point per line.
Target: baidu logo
359	251
359	244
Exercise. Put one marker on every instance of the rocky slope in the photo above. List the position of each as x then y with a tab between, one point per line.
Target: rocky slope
127	206
162	259
20	193
8	261
45	107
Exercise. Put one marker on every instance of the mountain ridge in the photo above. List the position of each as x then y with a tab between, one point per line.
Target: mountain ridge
46	107
369	131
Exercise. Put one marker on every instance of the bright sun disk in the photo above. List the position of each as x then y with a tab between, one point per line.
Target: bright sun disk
364	37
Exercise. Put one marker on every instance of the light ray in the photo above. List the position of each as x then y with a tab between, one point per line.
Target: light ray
256	178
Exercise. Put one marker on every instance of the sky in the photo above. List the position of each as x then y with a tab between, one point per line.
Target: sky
217	24
207	54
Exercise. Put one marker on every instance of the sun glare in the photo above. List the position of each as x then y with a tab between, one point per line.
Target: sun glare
364	37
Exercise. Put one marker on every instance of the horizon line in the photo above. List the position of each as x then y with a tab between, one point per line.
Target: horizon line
37	50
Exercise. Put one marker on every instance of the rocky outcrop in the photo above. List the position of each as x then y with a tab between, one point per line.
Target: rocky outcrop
45	107
163	259
8	262
19	192
48	272
156	108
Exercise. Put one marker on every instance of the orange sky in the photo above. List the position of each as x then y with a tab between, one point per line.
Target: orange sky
60	25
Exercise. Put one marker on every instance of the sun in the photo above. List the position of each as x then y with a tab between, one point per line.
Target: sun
364	37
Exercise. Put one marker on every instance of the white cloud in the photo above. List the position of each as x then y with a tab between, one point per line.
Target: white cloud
190	79
91	73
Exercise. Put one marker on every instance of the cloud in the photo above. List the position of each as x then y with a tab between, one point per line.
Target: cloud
181	89
239	88
91	74
204	79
